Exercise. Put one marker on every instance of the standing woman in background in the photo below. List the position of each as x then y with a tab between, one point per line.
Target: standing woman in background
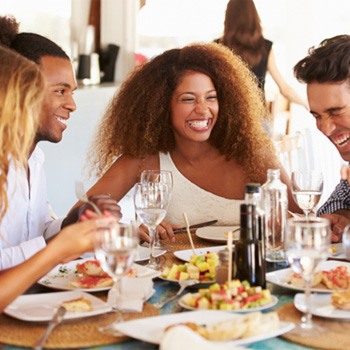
243	34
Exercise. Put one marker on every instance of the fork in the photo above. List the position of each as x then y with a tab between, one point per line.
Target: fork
183	285
81	195
55	321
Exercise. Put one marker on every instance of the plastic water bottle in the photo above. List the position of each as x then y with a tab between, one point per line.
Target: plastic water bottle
275	206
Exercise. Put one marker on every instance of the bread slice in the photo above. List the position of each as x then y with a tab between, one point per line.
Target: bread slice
341	300
297	281
77	305
87	282
91	268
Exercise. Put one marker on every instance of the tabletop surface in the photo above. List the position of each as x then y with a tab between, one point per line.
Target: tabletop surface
164	289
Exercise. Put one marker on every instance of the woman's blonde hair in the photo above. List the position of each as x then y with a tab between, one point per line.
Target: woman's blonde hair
22	89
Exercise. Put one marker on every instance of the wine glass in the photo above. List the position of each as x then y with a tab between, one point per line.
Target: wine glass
164	176
116	248
307	186
151	201
307	244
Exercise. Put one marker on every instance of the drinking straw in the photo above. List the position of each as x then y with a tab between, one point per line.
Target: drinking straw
188	232
229	247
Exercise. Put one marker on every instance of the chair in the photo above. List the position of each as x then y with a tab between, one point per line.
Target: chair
295	151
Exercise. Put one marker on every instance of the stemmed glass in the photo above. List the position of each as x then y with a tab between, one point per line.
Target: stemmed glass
307	245
307	186
116	249
151	201
163	176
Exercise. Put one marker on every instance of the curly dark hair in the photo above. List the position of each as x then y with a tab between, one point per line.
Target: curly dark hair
137	122
329	62
30	45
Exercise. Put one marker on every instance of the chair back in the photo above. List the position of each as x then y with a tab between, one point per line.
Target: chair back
295	152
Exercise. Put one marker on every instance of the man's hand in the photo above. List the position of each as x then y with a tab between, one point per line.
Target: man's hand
338	223
107	205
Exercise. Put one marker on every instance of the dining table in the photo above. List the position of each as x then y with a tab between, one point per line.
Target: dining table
84	334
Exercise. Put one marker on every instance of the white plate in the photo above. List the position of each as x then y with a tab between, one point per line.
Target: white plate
217	233
60	276
153	327
41	307
143	254
321	305
339	252
186	254
265	307
282	277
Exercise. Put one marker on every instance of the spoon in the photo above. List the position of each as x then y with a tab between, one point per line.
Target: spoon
183	285
81	195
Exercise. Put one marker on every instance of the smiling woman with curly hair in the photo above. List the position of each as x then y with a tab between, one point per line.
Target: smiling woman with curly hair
198	112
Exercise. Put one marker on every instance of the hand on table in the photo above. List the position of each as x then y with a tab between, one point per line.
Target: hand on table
165	231
338	223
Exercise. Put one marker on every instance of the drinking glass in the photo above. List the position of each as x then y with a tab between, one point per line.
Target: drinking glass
116	248
346	242
307	186
307	245
151	201
164	176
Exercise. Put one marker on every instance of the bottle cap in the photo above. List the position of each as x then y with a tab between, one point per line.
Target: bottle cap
252	187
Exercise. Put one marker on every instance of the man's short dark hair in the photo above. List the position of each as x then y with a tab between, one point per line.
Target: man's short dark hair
329	62
30	45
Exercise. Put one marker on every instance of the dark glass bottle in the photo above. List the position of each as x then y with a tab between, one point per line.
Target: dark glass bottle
253	196
248	257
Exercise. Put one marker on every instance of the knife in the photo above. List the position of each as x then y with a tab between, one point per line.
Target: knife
55	321
202	224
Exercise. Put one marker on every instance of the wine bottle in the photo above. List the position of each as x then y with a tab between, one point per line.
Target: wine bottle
248	259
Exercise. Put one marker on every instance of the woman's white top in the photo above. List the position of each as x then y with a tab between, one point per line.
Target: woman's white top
198	204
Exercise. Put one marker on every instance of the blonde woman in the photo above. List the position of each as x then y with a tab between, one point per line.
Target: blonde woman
22	89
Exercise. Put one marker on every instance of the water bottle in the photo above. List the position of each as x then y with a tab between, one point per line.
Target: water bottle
248	262
275	206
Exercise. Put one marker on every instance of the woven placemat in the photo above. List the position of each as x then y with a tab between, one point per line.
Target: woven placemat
70	334
335	337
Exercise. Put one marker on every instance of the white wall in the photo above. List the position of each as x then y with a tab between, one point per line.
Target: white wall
65	160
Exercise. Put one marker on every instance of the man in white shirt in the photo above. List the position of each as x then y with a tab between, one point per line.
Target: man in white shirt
28	223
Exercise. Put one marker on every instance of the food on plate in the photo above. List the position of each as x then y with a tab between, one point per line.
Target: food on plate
297	281
240	326
91	275
77	305
338	278
200	267
91	282
91	268
334	279
334	249
341	300
236	295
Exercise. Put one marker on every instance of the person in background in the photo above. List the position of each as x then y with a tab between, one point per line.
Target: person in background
28	223
326	71
243	34
22	91
197	112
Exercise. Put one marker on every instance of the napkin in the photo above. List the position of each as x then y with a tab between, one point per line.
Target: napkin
182	337
134	291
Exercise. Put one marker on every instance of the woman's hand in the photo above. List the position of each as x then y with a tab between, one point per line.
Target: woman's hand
164	230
